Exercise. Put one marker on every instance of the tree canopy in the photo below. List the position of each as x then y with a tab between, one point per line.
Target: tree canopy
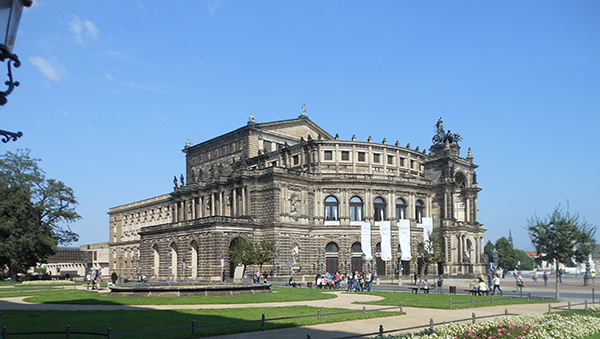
34	213
561	237
247	253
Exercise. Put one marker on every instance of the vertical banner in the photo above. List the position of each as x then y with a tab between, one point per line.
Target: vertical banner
386	241
365	231
404	237
427	230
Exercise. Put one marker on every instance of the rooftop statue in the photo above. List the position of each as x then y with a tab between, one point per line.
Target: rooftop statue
441	135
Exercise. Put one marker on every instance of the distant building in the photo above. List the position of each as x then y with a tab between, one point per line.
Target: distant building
312	193
75	261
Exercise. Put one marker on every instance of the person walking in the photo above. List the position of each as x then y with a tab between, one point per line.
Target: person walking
497	285
350	282
534	279
98	278
369	279
88	279
440	284
545	276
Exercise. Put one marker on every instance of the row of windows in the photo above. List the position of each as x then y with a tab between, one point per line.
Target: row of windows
379	208
361	157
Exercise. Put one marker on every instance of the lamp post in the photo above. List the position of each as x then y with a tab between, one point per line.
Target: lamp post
275	273
137	267
10	17
120	260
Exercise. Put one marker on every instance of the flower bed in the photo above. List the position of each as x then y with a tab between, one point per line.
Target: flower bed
526	326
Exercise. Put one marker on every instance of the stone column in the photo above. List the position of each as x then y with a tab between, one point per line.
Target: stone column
234	212
212	203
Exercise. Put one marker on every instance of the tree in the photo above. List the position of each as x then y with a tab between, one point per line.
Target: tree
507	257
264	252
242	252
488	250
428	252
561	237
526	261
34	212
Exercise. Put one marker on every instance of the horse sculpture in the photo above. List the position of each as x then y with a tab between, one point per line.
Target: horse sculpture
441	135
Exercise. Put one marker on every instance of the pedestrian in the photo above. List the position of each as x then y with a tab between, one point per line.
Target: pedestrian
560	275
489	279
497	285
88	279
440	284
98	279
350	282
114	277
545	276
593	276
534	277
369	280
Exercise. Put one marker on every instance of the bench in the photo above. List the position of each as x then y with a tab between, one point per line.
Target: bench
477	292
295	284
414	289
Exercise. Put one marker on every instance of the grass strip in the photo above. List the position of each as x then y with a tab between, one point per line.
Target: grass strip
84	297
442	301
125	321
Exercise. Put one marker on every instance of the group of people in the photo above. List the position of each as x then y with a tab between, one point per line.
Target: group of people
256	277
359	282
94	278
328	280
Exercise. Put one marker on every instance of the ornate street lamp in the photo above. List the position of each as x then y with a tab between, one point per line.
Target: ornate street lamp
10	16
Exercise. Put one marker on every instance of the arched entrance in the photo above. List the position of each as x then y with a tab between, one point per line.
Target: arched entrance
380	264
331	257
357	257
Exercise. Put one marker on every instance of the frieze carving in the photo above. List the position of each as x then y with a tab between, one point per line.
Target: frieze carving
331	190
380	192
295	188
356	191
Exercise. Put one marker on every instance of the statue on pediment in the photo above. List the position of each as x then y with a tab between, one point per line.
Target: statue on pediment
442	136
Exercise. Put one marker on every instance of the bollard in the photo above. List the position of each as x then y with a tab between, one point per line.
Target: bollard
4	333
381	330
511	299
401	307
506	312
68	331
549	308
431	323
528	296
593	295
492	300
364	311
308	336
474	318
109	333
586	304
193	326
569	305
263	321
319	314
472	302
450	303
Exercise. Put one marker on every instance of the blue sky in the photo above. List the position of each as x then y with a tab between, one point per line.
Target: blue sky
111	90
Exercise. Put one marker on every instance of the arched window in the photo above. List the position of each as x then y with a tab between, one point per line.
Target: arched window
400	209
379	209
356	206
194	267
460	180
331	208
419	211
356	247
332	247
174	261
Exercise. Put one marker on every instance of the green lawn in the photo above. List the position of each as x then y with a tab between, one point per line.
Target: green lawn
72	296
442	301
133	321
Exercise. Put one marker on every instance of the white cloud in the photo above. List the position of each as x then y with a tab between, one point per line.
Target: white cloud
83	29
49	67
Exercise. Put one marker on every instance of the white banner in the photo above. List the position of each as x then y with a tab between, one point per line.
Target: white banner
404	237
427	230
365	230
386	241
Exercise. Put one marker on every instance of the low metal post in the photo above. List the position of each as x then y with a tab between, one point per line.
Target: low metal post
319	314
193	326
506	312
492	300
586	304
450	303
68	331
308	336
109	333
364	311
569	305
263	320
401	307
511	299
593	295
474	318
431	324
4	333
472	302
528	296
549	308
542	298
381	330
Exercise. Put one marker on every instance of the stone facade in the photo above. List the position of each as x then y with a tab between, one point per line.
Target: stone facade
292	182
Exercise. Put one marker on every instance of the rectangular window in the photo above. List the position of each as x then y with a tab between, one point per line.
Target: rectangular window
376	158
274	163
328	155
361	156
402	162
412	164
296	160
390	159
267	146
345	155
